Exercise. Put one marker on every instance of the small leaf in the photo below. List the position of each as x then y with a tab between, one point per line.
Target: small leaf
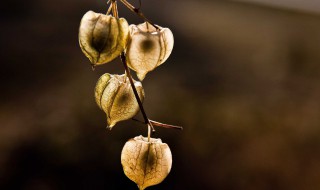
102	38
114	96
148	47
146	163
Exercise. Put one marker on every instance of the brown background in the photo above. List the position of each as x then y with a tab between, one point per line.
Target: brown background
242	79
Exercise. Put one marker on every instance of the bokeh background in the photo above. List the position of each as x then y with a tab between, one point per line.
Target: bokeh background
243	80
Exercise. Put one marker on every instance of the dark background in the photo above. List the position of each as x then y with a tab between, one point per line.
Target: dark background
243	81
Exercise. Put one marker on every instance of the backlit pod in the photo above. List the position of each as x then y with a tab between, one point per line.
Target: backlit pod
115	97
148	47
102	38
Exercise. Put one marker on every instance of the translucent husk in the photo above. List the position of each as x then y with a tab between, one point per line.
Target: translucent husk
102	38
146	162
114	96
148	48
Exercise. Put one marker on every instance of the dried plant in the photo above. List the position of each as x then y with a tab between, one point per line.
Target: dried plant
142	48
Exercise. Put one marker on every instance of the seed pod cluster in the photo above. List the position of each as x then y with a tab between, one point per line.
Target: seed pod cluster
146	163
102	38
114	96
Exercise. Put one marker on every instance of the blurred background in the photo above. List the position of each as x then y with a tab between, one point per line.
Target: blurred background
243	80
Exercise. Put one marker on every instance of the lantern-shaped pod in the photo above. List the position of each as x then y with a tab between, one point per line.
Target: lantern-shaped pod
102	38
148	47
146	162
115	97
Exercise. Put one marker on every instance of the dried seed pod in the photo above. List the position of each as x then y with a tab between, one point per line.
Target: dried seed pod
146	163
115	97
148	47
102	37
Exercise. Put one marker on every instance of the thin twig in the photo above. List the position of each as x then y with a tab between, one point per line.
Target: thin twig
145	117
138	12
114	8
147	121
158	124
109	10
149	133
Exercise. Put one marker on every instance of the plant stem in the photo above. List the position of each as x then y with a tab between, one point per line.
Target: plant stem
145	117
138	12
158	124
109	10
149	132
114	8
147	121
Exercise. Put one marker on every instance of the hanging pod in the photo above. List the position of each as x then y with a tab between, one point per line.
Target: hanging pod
146	163
115	97
102	38
148	47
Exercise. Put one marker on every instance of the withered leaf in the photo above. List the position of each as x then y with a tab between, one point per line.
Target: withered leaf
114	96
146	163
148	47
102	38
